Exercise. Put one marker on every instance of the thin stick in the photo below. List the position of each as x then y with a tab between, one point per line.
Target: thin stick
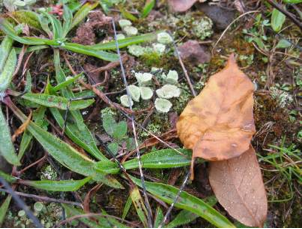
92	215
149	212
242	15
43	198
184	70
175	200
20	203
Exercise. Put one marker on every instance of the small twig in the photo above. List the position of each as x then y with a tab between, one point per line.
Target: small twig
111	65
20	59
175	200
92	215
227	28
33	164
184	69
20	203
43	198
286	13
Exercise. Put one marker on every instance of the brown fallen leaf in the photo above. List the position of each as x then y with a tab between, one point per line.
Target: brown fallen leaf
22	128
218	124
238	186
181	5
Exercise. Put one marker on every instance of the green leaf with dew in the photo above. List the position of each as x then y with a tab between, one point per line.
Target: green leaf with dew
57	186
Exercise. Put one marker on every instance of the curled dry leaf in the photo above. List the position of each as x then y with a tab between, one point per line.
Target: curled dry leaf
218	124
22	128
238	186
181	5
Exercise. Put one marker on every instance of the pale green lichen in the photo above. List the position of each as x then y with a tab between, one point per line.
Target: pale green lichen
146	93
171	77
164	38
159	48
125	101
134	92
120	36
48	173
168	91
137	50
203	28
283	98
163	105
143	79
130	31
124	22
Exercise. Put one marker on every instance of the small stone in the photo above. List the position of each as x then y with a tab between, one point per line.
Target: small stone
220	16
194	53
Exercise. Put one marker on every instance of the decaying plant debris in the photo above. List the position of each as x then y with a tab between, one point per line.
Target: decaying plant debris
105	105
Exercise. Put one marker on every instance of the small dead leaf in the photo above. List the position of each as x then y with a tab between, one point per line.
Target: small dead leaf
181	5
218	124
22	128
238	186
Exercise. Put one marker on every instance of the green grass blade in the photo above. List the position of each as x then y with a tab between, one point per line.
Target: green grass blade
28	17
7	177
159	216
184	217
86	50
8	29
38	116
7	149
147	8
125	42
82	13
4	208
57	186
127	207
81	138
66	83
160	159
103	221
67	17
5	48
167	193
86	136
139	205
126	14
57	29
7	72
277	20
57	101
